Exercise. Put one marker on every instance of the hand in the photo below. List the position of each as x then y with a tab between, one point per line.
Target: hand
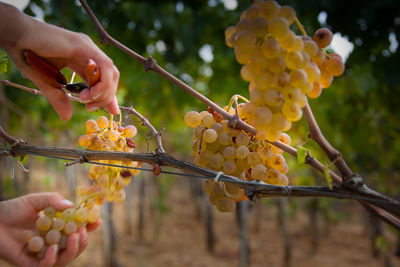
61	48
21	213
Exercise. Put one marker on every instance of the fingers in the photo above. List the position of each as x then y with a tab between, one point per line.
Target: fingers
83	240
60	102
50	258
40	201
73	243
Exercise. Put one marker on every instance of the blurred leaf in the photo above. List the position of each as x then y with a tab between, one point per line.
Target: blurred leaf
3	62
301	154
328	177
47	182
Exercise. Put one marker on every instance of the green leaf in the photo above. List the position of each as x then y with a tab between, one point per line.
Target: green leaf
328	177
301	154
47	182
3	62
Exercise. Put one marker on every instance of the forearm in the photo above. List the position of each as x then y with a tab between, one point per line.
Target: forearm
12	25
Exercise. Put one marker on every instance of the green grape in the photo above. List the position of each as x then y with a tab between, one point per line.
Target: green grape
35	244
259	27
53	237
285	138
91	126
272	135
281	80
210	135
217	127
103	122
242	152
310	47
253	158
242	139
225	204
276	161
198	131
242	56
213	147
302	101
26	235
269	10
278	28
218	191
313	72
58	224
229	167
49	212
225	139
192	119
229	152
245	40
247	73
257	97
273	176
81	214
277	65
288	41
259	172
208	120
93	215
298	78
265	153
68	214
278	121
270	48
297	45
288	13
130	131
292	111
70	228
216	161
263	81
43	223
243	25
273	98
291	94
208	186
242	164
294	60
262	117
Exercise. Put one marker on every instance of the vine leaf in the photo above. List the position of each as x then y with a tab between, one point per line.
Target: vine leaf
301	154
328	177
3	62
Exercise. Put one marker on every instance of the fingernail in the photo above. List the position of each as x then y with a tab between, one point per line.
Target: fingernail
55	250
67	202
99	94
85	101
92	108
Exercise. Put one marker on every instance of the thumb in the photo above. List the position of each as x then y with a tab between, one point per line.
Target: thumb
40	201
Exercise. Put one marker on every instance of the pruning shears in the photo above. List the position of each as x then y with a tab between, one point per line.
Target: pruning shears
56	78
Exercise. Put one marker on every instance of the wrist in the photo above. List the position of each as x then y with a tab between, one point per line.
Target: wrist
13	24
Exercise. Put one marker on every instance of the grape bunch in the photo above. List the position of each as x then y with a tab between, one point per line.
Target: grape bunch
282	68
222	148
54	227
108	181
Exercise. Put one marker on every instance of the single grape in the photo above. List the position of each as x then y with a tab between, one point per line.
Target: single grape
279	27
288	13
43	223
210	135
216	161
277	161
130	131
229	167
334	65
70	228
259	172
93	215
68	214
270	48
58	224
208	120
269	10
103	122
35	244
81	214
26	235
113	135
229	152
253	158
242	152
91	126
225	204
242	139
49	212
316	90
84	140
192	119
323	37
53	237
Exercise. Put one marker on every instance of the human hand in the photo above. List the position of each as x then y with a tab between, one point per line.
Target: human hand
19	214
62	48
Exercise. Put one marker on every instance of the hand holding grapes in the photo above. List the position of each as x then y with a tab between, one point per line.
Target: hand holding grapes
19	214
61	48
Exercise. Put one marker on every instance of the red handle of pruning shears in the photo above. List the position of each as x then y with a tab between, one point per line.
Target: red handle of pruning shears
56	78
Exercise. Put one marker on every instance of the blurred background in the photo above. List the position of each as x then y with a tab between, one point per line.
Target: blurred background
166	220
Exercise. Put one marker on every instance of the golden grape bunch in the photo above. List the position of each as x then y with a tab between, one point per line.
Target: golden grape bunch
54	227
108	181
222	148
283	68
